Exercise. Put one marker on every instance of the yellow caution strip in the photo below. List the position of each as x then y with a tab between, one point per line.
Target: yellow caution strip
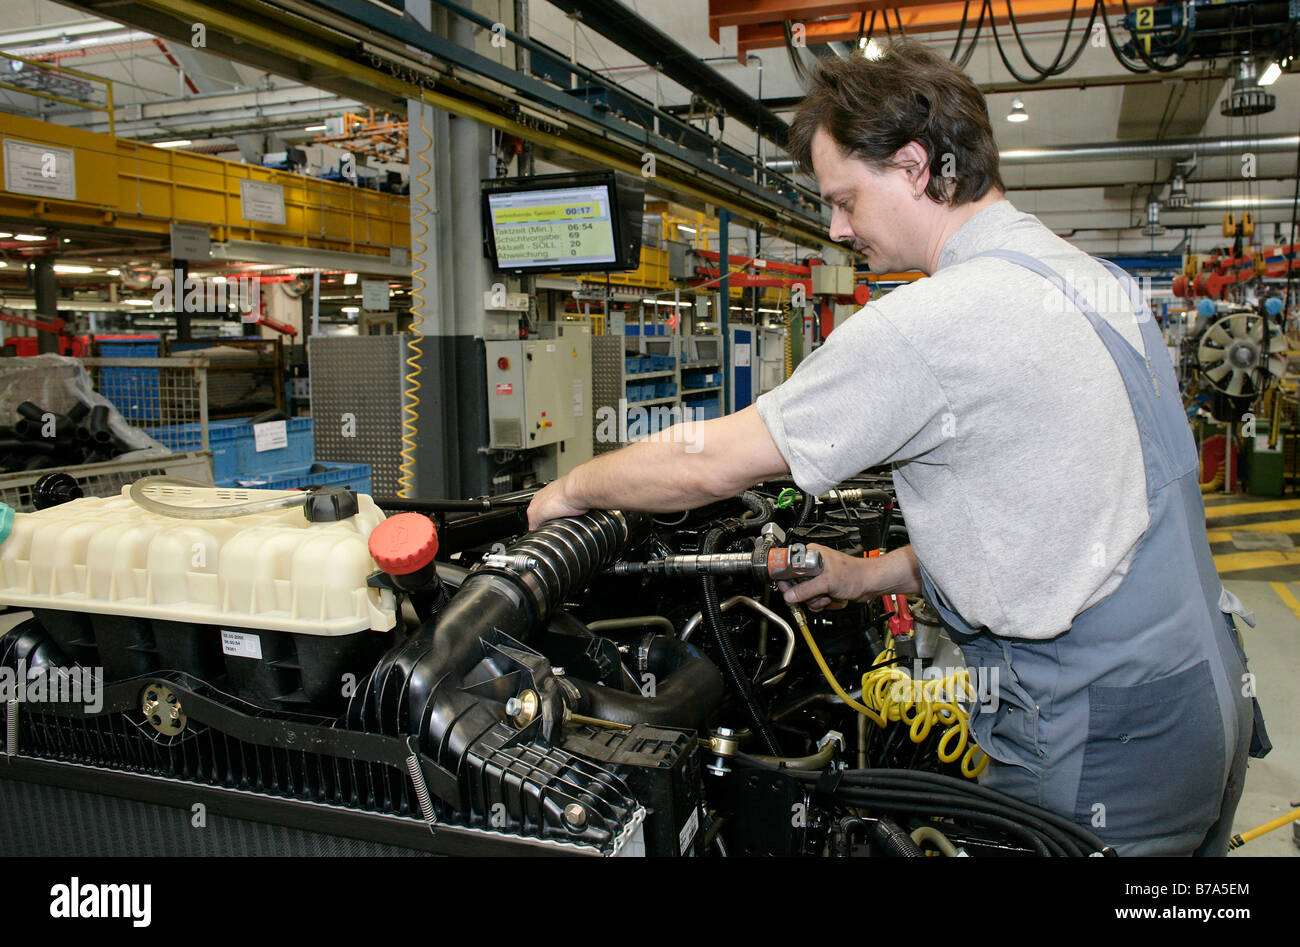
1257	559
1287	597
1241	509
1224	534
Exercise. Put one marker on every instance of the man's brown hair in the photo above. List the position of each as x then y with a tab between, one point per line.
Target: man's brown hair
871	108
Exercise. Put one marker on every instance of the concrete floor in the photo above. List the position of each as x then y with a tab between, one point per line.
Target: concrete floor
1273	650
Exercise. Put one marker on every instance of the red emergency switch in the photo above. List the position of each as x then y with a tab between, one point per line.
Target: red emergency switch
503	363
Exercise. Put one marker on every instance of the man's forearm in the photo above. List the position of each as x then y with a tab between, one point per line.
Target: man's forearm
653	476
683	467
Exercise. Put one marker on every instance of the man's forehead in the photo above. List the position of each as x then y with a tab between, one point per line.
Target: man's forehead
833	168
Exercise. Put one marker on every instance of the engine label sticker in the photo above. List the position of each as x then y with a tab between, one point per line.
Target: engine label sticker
270	435
241	644
689	829
505	389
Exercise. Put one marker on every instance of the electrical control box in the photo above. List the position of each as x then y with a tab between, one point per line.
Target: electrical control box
531	389
832	280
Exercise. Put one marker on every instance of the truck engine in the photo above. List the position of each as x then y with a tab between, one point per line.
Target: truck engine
614	683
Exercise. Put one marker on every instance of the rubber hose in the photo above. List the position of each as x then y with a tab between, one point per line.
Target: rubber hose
736	676
893	840
806	512
688	687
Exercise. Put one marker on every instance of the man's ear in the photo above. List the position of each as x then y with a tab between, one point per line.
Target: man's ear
913	158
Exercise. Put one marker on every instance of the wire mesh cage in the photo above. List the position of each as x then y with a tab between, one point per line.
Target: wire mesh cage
160	396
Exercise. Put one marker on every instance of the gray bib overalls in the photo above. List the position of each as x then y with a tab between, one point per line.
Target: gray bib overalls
1136	721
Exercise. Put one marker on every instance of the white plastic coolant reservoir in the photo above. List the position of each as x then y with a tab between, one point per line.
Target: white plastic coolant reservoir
271	570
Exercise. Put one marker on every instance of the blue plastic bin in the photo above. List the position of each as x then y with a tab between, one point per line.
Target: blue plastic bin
355	476
133	391
234	448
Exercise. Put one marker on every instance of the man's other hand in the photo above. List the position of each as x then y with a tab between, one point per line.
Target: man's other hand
551	503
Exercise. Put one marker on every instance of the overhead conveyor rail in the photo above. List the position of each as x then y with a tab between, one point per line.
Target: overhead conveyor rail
124	185
367	51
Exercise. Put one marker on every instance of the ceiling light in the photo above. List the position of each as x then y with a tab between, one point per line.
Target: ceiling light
178	143
350	309
68	268
349	279
30	237
316	128
871	49
1017	113
1178	196
114	272
6	236
1270	74
138	302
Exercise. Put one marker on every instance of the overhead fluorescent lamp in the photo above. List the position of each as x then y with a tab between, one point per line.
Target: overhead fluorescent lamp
178	143
350	309
349	279
69	268
138	302
316	128
871	49
1271	74
30	237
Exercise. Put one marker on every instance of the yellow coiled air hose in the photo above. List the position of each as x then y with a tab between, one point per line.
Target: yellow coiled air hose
890	694
411	406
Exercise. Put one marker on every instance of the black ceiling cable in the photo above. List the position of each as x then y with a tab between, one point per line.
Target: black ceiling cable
1115	47
1057	67
974	40
961	30
898	17
1040	73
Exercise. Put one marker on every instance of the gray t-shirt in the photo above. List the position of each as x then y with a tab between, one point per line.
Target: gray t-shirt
1015	453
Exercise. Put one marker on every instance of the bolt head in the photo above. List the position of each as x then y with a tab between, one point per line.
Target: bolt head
575	815
513	706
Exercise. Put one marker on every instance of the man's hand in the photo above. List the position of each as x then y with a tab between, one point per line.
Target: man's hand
551	503
852	579
843	578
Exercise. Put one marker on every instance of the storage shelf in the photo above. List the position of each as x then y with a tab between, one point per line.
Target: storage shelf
696	391
633	404
657	374
701	364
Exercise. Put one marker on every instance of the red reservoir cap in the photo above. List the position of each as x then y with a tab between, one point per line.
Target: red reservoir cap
404	543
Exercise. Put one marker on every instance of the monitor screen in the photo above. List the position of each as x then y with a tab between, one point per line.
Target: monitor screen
562	222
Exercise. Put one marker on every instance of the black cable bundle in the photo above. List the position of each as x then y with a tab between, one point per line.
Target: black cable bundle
928	795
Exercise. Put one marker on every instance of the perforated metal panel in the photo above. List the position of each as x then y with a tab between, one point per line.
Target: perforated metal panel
606	385
357	391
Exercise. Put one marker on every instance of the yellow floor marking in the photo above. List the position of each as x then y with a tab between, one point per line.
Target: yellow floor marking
1287	598
1239	509
1256	559
1224	533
